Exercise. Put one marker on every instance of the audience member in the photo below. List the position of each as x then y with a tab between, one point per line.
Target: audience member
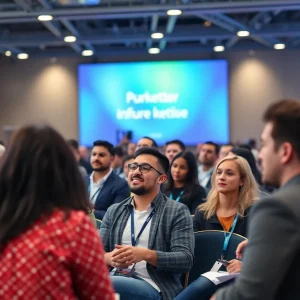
172	148
208	157
131	148
146	142
148	232
84	160
182	185
75	150
118	160
271	262
104	186
234	190
49	248
126	161
224	150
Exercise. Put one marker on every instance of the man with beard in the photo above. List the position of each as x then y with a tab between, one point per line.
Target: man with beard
104	186
271	268
148	239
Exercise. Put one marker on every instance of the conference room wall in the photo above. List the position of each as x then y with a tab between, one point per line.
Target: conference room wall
45	90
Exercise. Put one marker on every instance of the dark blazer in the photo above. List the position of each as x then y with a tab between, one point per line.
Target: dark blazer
201	223
171	236
271	268
197	197
114	190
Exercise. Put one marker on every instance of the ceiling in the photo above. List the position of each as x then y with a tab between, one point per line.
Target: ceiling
123	27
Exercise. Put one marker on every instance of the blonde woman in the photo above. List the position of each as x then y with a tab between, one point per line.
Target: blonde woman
233	191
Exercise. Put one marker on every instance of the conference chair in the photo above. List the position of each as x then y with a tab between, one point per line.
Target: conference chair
208	248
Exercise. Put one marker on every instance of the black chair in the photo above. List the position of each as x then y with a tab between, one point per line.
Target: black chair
208	248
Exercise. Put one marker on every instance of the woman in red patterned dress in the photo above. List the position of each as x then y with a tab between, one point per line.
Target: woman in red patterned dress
49	248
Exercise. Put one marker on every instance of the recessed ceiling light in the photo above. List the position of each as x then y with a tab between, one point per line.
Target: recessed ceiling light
207	23
157	35
8	53
154	50
279	46
22	56
87	52
70	39
174	12
219	48
243	33
45	18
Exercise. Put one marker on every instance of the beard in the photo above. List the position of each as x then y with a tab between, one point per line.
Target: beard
138	190
101	169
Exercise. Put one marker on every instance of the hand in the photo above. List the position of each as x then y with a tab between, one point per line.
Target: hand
128	254
234	266
240	248
213	297
110	262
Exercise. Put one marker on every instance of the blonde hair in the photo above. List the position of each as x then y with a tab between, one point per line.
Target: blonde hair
247	194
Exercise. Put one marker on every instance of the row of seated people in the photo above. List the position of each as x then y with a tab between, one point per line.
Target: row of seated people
148	237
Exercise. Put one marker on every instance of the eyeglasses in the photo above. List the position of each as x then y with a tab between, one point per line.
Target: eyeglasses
144	168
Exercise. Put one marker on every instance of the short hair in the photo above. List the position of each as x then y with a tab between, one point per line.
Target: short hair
217	146
177	142
119	151
110	147
38	174
154	144
126	158
73	143
162	159
285	118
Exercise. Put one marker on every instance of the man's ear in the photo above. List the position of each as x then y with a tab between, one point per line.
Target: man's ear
286	153
162	179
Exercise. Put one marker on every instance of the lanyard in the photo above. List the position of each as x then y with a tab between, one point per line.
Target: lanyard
228	236
178	198
97	192
134	240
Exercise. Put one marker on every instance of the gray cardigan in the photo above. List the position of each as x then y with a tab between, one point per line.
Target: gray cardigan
171	236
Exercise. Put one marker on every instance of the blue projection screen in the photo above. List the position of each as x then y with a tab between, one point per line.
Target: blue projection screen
186	100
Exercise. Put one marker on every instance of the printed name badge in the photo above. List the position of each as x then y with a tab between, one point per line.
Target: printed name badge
216	267
128	272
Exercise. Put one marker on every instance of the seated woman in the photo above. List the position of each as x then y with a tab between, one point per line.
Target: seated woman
182	184
234	190
48	245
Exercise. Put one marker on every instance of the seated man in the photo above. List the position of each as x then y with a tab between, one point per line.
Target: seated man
148	238
104	186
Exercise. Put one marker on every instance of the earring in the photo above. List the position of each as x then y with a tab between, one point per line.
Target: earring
241	187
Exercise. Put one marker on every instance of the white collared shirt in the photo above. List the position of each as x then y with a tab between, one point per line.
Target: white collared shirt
204	176
95	187
139	219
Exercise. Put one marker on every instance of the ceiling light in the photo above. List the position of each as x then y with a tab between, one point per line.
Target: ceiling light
87	53
8	53
219	48
70	39
279	46
154	50
157	35
44	18
207	23
174	12
243	33
22	56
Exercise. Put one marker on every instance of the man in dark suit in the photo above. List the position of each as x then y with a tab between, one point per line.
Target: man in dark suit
104	186
271	268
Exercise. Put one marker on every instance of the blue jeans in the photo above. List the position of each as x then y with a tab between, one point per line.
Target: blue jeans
200	289
134	288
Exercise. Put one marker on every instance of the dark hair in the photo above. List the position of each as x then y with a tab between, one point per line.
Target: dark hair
177	142
285	118
245	146
248	155
119	151
252	143
110	147
192	175
217	147
126	158
162	159
2	143
38	175
73	143
154	144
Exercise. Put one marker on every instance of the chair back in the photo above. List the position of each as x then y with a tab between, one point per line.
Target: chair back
208	248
